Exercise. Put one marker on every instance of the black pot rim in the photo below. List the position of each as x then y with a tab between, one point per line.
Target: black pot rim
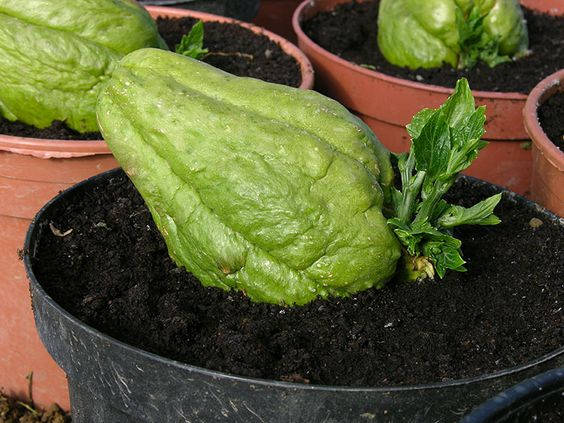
517	396
34	226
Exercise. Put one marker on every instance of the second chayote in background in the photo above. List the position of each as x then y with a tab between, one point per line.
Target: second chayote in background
55	54
429	33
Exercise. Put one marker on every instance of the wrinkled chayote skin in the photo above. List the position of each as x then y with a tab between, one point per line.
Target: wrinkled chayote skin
55	54
264	188
427	33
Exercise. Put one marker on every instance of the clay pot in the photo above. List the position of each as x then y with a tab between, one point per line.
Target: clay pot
387	104
239	9
31	172
547	185
276	16
552	7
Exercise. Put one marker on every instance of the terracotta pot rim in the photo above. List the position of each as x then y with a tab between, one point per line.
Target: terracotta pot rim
544	6
542	91
296	23
53	148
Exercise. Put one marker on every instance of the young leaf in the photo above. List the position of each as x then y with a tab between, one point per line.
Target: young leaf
475	42
445	141
444	256
191	44
479	214
432	147
419	121
459	105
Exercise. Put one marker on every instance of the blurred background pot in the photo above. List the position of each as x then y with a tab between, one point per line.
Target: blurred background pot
276	16
547	184
505	161
244	10
552	7
32	171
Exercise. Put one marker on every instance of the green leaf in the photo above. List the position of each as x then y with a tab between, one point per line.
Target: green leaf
459	105
489	53
471	128
191	44
444	256
419	121
445	141
475	42
479	214
432	147
396	200
406	236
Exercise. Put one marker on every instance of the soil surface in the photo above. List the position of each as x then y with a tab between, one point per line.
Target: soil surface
350	31
237	50
13	411
57	131
551	118
232	48
113	272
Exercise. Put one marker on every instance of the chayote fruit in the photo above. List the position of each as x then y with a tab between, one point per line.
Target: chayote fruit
271	190
428	33
55	55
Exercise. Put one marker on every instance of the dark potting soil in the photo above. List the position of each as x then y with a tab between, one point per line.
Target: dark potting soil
350	31
113	272
237	50
57	131
551	114
14	411
232	48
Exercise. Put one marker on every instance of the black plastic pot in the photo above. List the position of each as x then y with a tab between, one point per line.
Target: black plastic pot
244	10
524	401
110	381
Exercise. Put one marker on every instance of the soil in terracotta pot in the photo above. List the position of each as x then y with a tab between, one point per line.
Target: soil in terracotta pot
113	272
14	411
551	118
234	49
350	31
237	50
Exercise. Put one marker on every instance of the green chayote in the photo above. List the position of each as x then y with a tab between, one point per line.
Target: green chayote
271	190
428	33
55	55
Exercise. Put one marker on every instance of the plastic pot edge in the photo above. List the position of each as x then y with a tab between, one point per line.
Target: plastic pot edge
34	227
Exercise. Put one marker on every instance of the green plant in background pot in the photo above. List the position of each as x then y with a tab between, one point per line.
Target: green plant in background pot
55	56
217	184
426	34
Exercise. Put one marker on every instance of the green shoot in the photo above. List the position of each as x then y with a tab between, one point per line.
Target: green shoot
192	43
445	141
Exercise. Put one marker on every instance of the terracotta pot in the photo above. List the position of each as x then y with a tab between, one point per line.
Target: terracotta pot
276	16
552	7
32	171
387	104
547	185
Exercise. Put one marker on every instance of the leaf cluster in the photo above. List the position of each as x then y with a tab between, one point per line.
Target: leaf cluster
445	141
475	42
192	44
